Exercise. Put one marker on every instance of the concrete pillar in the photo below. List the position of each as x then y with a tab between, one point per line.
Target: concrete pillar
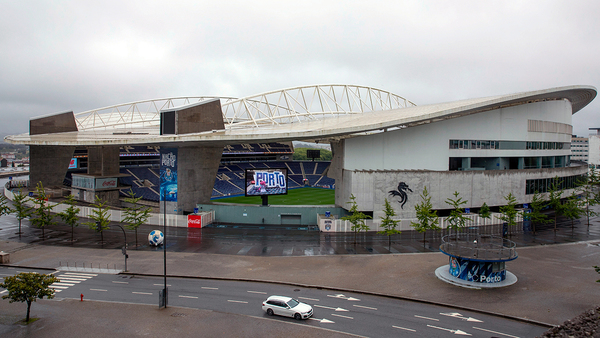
196	172
49	164
103	160
336	169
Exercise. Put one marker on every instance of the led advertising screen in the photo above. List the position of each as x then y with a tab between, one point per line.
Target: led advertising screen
266	181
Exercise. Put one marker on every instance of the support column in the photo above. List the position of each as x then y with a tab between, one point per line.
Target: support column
197	169
336	169
103	161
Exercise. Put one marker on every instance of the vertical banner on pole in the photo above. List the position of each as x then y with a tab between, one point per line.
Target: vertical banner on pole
168	174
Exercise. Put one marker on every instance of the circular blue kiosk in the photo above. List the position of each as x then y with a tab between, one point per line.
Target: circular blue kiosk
477	261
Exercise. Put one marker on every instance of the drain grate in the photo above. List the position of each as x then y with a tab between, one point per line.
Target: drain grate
178	314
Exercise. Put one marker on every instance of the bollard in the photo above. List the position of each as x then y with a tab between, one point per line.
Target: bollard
82	297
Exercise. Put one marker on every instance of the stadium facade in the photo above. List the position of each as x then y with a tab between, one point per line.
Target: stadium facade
384	146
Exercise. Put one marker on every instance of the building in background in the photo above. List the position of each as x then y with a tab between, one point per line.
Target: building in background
579	148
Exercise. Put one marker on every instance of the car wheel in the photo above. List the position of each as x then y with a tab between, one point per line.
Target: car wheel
269	312
297	316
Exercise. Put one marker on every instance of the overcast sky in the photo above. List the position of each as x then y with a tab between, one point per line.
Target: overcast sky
80	55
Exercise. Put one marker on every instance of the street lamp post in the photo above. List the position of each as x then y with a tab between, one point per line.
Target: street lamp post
165	246
124	249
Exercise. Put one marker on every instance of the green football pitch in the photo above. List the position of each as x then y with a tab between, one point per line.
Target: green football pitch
300	196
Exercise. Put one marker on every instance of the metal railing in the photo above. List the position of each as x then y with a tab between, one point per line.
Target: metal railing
479	247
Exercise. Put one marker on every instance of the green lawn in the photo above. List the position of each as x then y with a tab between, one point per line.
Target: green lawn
300	196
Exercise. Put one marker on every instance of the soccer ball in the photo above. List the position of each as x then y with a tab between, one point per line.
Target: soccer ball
156	238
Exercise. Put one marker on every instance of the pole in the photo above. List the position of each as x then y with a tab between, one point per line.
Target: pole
124	251
165	243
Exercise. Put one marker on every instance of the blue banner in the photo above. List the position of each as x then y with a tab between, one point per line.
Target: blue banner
168	174
477	271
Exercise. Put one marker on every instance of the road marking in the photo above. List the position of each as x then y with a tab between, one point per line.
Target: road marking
333	314
458	315
142	293
63	284
5	291
117	282
326	321
209	288
162	284
98	290
366	307
64	280
58	287
403	328
332	308
182	296
57	290
237	301
259	292
437	320
495	332
314	300
81	274
341	296
71	278
462	333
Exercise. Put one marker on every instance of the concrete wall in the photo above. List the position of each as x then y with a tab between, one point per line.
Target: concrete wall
55	123
103	160
371	188
271	215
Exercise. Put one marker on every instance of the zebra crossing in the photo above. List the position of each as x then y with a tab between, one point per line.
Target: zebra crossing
68	279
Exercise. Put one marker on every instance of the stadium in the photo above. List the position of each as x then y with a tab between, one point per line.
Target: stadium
384	147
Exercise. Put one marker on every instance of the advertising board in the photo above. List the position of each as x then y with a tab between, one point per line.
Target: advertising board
266	181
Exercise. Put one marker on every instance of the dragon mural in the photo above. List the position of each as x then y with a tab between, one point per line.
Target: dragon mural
401	192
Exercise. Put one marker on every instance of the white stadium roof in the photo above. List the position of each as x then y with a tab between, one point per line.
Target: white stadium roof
318	112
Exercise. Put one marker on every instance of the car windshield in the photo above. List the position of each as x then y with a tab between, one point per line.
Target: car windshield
292	303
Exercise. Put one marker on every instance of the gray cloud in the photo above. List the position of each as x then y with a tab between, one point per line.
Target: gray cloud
74	55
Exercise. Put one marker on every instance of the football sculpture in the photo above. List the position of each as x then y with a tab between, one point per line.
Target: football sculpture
156	238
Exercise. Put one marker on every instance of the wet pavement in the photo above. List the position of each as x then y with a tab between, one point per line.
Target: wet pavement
250	240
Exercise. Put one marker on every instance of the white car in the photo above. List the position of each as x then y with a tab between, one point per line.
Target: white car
286	306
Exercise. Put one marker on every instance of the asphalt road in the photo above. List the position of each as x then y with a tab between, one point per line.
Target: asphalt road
351	313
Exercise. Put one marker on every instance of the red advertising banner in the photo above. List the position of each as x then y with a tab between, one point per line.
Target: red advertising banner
194	221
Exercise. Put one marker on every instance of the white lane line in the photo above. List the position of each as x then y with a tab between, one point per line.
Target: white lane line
331	308
333	314
495	332
209	288
142	293
57	290
98	290
314	300
64	280
162	284
71	278
62	284
76	276
259	292
5	291
366	307
182	296
81	274
117	282
59	287
403	328
437	320
237	301
459	332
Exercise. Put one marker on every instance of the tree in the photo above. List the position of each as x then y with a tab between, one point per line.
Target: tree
554	198
484	211
573	209
426	216
42	216
135	215
456	219
509	211
100	216
388	223
69	216
28	287
536	216
4	208
21	210
357	218
590	198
